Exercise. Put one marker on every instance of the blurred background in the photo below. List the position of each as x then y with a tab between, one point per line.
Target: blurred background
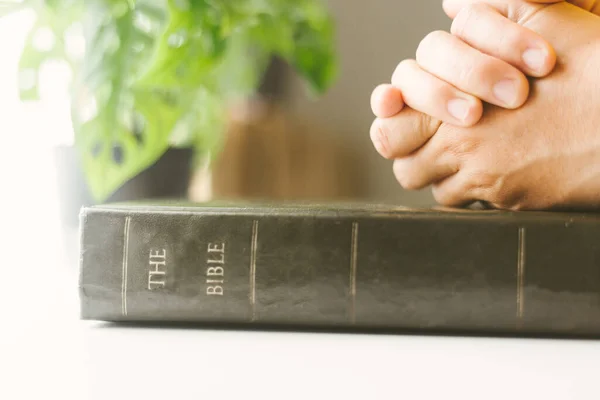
371	42
282	144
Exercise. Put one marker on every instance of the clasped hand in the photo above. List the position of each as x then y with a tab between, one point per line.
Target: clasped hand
504	109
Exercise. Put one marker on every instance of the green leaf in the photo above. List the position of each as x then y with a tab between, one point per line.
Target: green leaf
160	73
120	129
314	55
303	33
110	160
202	128
235	78
189	48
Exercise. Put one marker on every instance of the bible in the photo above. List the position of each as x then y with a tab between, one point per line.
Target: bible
350	266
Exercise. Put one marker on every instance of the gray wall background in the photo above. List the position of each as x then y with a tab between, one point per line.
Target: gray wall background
373	37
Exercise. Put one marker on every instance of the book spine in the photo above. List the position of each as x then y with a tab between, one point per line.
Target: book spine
405	272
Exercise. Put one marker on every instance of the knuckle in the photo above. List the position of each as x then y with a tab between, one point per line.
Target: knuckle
421	129
406	176
465	147
429	43
380	138
402	69
485	183
510	200
517	207
467	74
464	19
447	5
448	196
426	126
493	187
443	196
453	142
509	40
523	13
476	75
411	130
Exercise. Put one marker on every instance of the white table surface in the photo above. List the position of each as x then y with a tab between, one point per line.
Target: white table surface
67	359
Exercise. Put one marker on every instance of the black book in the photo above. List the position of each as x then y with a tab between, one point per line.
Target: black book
350	266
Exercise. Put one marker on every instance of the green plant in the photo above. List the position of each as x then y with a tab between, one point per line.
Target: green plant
160	73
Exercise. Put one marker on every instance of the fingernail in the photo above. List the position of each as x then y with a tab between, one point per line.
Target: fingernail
534	58
506	92
459	109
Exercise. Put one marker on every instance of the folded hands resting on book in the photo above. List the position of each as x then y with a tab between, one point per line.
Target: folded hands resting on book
503	109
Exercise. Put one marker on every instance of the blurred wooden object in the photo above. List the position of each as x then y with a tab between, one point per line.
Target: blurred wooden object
269	155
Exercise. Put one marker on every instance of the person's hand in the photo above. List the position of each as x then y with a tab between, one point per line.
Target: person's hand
387	100
450	77
544	155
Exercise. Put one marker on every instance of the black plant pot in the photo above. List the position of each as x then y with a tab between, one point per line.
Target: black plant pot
169	177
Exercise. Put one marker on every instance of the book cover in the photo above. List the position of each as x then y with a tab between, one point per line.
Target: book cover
363	266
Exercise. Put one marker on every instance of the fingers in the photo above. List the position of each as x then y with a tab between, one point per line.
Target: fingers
386	101
423	156
481	61
485	77
441	157
455	191
433	96
484	28
424	167
403	133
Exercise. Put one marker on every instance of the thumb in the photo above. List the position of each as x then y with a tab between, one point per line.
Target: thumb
552	20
